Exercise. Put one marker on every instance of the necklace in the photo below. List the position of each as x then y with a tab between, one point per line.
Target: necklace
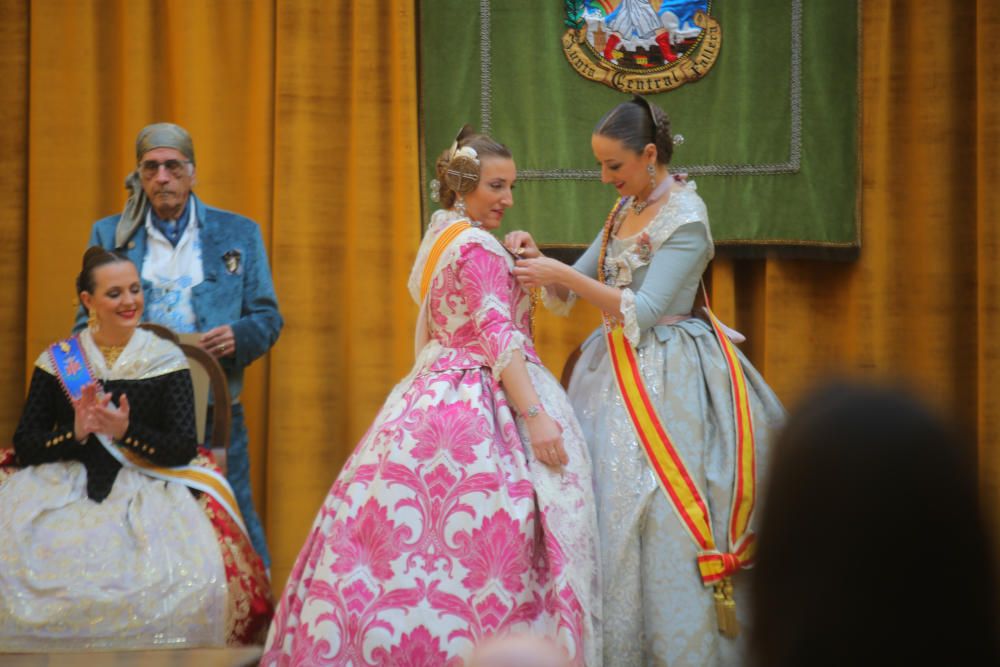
111	353
534	295
640	206
609	225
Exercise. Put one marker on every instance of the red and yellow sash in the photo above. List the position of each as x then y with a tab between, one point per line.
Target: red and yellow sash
434	256
689	503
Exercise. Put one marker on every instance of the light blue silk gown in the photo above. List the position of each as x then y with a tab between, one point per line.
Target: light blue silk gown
656	610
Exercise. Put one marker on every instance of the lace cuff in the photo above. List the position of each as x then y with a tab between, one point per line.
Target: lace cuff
514	345
631	323
555	305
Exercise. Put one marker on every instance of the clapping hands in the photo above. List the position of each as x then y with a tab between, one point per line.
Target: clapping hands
94	413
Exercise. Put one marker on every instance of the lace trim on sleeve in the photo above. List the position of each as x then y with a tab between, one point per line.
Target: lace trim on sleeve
486	241
555	305
685	206
514	346
631	323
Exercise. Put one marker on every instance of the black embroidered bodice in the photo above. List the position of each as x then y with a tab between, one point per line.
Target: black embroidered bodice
161	426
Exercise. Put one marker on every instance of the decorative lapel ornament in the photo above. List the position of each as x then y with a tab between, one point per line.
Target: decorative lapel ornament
641	46
232	260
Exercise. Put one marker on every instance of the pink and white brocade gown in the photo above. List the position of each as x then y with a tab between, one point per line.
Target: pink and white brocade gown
442	529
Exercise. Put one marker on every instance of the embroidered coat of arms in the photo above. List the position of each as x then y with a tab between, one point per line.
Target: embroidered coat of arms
641	46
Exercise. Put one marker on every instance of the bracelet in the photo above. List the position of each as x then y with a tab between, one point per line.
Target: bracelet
534	410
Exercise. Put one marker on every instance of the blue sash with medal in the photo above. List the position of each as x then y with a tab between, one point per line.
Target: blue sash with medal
71	366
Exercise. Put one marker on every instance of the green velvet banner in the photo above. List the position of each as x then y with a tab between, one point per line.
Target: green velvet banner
770	130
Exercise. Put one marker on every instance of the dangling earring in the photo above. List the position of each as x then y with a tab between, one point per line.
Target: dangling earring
92	322
652	176
460	205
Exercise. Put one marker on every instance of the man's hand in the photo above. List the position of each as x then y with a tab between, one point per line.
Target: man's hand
219	342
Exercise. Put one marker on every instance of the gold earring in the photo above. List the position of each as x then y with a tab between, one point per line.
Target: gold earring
92	323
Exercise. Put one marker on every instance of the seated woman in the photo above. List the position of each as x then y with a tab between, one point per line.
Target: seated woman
104	541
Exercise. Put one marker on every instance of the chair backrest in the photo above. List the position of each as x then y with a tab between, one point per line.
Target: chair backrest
208	380
567	371
161	331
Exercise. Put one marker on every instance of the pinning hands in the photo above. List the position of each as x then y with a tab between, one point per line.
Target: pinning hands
94	413
521	245
539	272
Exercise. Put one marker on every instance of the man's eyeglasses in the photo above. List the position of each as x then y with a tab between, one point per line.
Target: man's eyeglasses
150	168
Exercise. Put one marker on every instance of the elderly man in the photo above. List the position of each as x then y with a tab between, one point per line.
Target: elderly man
202	269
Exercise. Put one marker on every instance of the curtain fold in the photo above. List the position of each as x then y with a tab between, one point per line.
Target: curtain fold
14	32
346	228
987	251
304	117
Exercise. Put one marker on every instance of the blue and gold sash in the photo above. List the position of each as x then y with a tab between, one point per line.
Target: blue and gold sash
71	366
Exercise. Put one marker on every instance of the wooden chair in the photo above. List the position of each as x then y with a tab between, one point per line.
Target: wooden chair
208	379
567	371
161	331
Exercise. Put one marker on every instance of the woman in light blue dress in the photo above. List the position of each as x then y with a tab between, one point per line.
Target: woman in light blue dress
655	245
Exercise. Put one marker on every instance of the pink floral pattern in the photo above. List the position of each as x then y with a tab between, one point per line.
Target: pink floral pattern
496	552
454	428
644	247
368	540
417	649
435	535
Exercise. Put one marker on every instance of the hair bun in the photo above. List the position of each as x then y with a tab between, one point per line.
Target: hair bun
663	139
462	172
457	168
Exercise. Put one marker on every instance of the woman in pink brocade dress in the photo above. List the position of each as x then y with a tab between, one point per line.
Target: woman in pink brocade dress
466	511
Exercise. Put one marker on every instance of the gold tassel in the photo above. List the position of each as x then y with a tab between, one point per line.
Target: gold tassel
725	609
720	607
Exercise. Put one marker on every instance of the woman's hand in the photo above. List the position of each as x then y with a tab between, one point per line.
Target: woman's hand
539	272
522	245
546	440
110	419
84	422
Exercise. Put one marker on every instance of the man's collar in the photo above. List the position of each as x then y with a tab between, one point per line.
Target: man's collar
185	213
190	215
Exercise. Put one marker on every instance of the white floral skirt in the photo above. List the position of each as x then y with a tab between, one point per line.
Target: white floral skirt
140	569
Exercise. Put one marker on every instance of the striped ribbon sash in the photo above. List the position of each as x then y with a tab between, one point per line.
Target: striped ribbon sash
715	565
74	372
196	477
434	256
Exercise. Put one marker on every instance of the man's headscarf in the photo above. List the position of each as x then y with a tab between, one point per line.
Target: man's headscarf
157	135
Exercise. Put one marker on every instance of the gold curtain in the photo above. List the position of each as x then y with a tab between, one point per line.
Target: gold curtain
304	116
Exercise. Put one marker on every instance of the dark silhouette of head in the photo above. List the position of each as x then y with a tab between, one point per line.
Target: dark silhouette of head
873	548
